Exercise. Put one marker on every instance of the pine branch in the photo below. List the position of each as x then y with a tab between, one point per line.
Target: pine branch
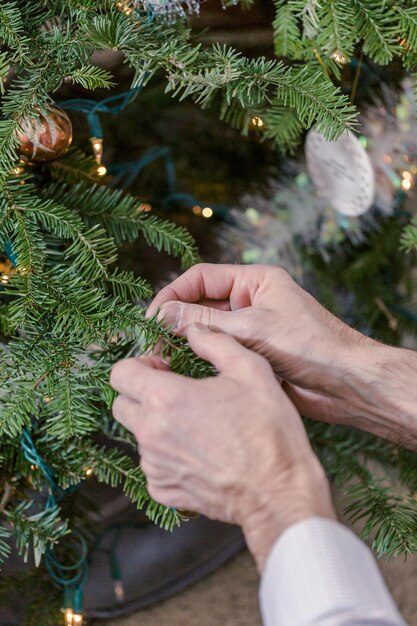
42	530
5	549
75	167
287	36
378	26
409	237
123	218
91	77
114	468
128	287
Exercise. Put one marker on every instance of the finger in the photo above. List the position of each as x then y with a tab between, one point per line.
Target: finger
174	498
138	380
180	315
155	362
201	282
310	404
222	305
225	352
127	412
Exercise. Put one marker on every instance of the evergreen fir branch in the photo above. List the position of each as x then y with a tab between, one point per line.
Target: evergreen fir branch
226	71
123	218
75	167
5	549
409	237
4	70
378	25
173	239
316	102
114	210
42	530
6	326
71	411
127	287
238	116
408	24
92	253
80	310
18	403
395	520
287	36
337	33
282	126
113	467
12	31
308	11
91	77
24	102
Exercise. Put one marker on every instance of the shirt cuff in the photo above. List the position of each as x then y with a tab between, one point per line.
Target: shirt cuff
320	573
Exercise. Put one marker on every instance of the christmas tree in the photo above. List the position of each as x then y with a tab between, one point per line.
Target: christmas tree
68	312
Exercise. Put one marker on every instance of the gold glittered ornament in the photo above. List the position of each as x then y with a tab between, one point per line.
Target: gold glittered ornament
6	271
45	137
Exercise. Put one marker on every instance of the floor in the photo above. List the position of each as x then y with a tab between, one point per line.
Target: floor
229	597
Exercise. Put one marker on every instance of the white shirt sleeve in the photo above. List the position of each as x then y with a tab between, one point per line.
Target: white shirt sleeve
320	574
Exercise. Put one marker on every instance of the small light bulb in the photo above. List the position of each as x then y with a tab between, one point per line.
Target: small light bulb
89	471
69	617
17	170
207	212
77	619
97	145
196	209
406	184
101	170
339	57
22	270
145	206
257	122
119	591
407	175
5	279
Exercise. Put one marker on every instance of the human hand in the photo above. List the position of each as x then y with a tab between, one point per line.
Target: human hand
232	447
330	371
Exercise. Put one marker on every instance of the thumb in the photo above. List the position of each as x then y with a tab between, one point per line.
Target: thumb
181	315
311	404
225	353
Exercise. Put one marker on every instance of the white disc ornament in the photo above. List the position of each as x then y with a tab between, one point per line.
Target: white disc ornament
342	172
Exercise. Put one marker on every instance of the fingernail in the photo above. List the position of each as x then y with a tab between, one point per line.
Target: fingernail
171	313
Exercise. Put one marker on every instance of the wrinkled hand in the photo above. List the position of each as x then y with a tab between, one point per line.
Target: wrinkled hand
330	371
232	447
264	309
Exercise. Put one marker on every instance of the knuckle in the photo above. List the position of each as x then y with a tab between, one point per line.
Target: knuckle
120	371
281	274
157	493
163	402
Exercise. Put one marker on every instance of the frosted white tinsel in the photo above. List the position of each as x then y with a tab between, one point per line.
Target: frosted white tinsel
269	226
169	9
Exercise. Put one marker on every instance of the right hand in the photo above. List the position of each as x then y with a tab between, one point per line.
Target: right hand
231	446
325	364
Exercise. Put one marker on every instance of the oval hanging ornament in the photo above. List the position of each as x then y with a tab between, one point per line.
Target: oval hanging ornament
342	172
46	137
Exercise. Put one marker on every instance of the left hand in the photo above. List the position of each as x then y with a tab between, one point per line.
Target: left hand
232	447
